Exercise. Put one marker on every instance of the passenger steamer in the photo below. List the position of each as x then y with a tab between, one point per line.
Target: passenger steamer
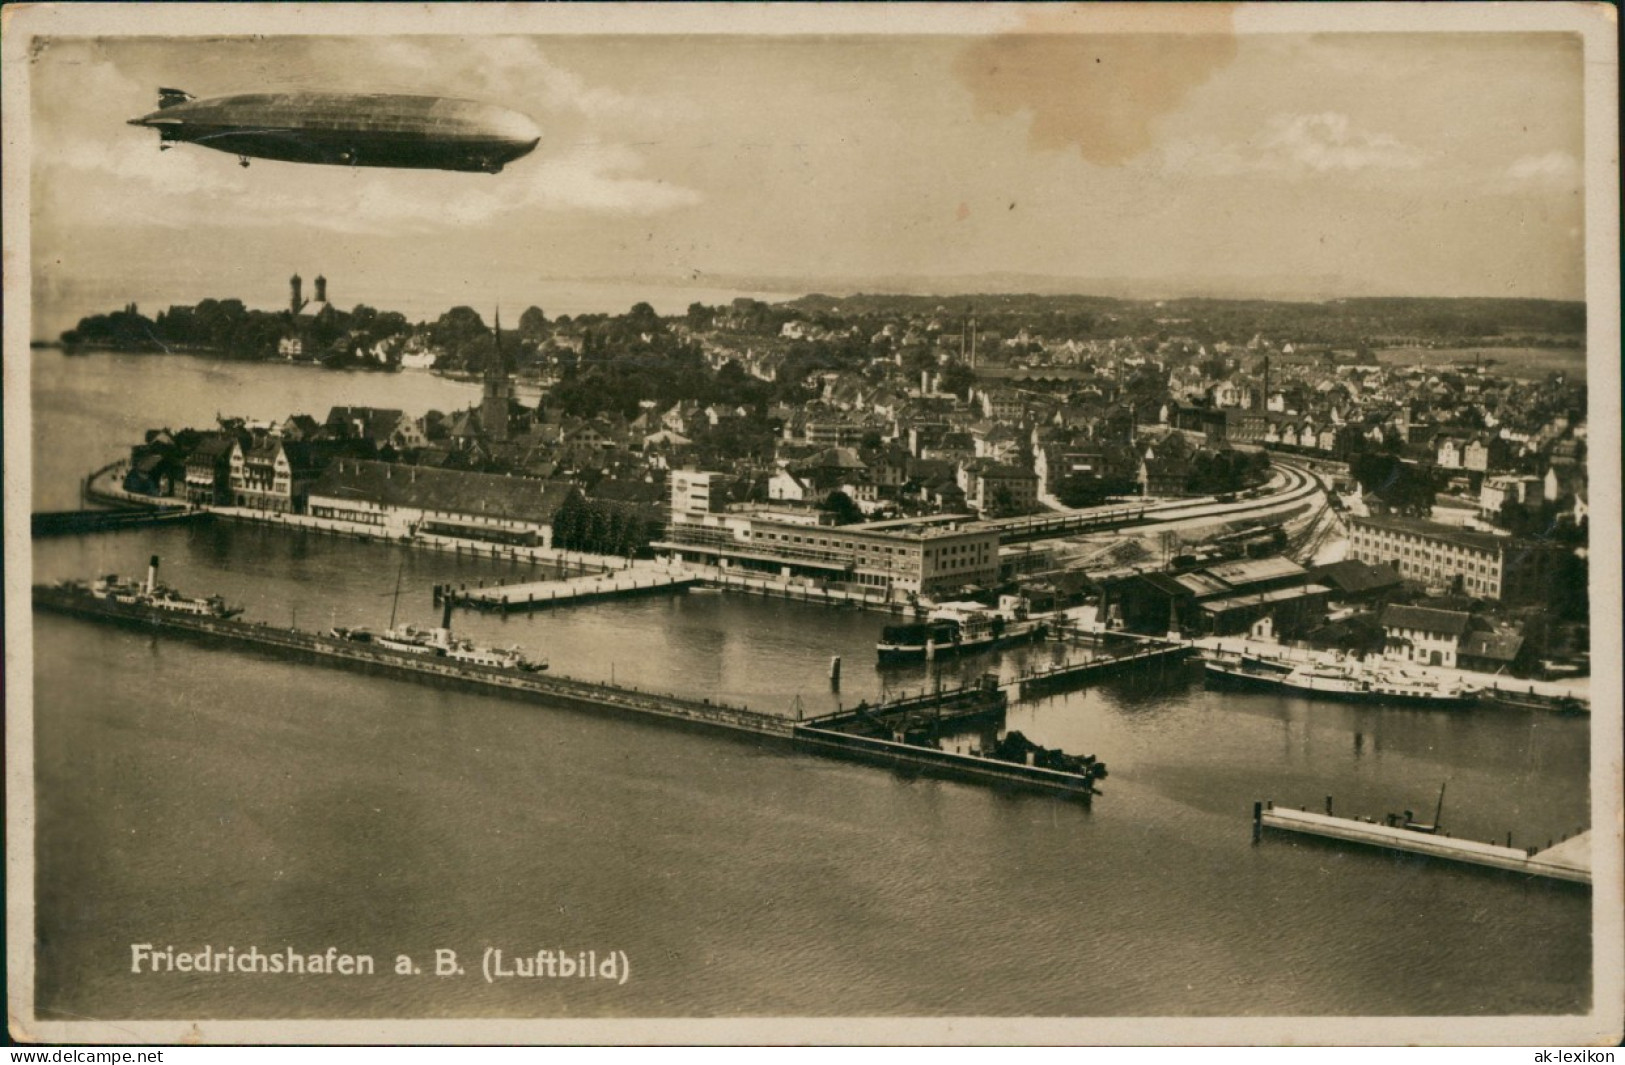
150	593
1345	682
440	643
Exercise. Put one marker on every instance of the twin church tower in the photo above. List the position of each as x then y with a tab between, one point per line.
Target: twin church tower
494	414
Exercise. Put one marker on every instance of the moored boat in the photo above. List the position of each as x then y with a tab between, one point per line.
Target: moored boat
150	593
440	643
1345	682
958	628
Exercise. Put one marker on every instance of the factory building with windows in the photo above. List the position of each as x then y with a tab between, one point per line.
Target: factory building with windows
1449	558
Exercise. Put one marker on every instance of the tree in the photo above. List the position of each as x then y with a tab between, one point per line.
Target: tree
1405	486
456	328
643	319
1570	588
533	323
958	379
567	523
840	504
597	536
1174	446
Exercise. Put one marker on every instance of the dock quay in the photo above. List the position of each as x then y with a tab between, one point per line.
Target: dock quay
1568	860
1070	675
696	714
540	595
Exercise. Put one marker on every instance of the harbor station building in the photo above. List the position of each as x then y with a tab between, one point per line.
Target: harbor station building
904	556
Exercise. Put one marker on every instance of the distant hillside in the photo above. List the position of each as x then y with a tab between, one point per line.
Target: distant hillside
1336	320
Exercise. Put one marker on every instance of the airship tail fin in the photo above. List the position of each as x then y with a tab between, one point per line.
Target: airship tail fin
171	97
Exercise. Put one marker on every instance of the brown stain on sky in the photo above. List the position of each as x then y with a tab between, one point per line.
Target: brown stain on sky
1098	78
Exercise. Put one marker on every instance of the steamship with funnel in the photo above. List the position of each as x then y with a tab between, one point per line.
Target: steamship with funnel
149	593
1343	681
440	643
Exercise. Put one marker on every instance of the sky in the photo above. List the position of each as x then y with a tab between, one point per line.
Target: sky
1290	165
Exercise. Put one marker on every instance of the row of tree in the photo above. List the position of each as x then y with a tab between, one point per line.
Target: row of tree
1227	470
601	527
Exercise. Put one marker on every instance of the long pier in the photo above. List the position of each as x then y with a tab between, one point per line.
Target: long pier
1569	860
78	522
739	722
540	595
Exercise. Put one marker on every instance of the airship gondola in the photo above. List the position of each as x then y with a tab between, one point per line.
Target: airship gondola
347	129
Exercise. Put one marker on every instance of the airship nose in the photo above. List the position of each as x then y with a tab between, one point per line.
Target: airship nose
516	129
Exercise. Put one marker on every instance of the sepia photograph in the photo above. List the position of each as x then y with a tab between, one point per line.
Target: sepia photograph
795	523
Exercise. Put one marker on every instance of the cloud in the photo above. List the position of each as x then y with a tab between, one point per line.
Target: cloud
1328	141
1553	170
1296	145
601	179
514	71
191	186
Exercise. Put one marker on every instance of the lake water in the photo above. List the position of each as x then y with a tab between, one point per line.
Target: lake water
191	794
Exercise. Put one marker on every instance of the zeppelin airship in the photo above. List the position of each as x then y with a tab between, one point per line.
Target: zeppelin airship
347	129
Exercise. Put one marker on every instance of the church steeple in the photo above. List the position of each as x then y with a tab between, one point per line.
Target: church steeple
494	405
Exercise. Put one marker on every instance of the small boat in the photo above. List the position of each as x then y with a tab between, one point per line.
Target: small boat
1511	700
958	628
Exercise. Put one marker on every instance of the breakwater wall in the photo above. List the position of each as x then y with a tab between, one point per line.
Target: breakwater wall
373	658
697	714
81	522
944	764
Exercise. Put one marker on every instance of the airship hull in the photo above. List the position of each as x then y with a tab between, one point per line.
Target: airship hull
377	130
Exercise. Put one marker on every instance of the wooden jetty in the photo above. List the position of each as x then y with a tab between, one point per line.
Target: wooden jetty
1569	860
1070	675
542	595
